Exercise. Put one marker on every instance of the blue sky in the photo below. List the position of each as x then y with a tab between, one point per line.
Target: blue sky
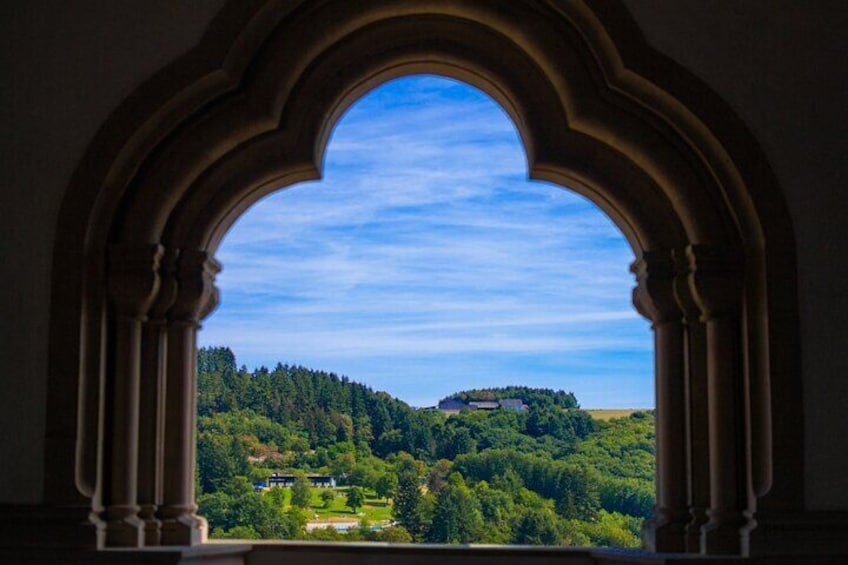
425	263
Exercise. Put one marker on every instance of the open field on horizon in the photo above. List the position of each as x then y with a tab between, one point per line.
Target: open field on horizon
610	413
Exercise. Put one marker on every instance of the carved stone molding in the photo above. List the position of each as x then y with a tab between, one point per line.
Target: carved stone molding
653	295
134	278
197	295
715	280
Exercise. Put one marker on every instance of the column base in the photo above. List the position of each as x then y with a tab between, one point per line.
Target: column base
127	531
726	533
666	534
697	519
186	529
152	526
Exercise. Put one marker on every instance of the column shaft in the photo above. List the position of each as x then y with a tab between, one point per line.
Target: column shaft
151	435
123	526
180	525
723	532
697	432
671	513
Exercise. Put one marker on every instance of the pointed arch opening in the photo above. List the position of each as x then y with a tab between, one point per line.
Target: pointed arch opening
425	263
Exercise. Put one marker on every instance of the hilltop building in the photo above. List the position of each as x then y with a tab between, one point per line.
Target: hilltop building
512	404
454	405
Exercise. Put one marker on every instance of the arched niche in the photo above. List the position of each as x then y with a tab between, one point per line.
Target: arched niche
250	110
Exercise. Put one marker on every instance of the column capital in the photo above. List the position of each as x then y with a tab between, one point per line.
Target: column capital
715	280
167	294
196	293
653	295
133	279
682	292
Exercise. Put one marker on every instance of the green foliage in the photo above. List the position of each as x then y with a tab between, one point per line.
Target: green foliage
537	526
611	529
239	532
386	485
622	447
572	487
327	497
457	517
355	498
407	508
392	534
497	508
364	475
547	475
438	475
237	505
301	492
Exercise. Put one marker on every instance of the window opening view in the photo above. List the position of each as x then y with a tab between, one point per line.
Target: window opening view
426	347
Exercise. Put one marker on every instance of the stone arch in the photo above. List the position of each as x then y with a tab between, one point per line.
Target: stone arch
250	110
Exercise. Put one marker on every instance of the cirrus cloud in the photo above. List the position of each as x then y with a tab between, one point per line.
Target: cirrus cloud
425	262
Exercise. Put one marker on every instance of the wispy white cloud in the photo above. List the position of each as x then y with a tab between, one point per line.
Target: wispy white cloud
424	251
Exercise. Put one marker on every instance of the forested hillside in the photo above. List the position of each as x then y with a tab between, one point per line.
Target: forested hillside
549	474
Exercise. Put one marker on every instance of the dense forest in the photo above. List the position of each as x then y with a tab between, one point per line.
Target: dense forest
548	474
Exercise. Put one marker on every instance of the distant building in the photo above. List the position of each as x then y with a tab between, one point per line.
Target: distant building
512	404
484	404
452	406
279	480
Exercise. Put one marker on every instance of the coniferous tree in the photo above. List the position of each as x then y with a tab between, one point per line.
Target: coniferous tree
407	501
457	517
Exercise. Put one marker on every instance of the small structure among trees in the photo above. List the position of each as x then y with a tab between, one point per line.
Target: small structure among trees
454	405
280	480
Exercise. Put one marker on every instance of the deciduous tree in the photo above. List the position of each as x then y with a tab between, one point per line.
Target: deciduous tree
301	492
355	498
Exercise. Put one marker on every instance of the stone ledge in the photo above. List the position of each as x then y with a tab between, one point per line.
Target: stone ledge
317	553
207	554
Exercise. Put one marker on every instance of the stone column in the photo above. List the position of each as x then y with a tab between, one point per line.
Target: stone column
715	281
697	452
196	297
133	283
654	298
152	402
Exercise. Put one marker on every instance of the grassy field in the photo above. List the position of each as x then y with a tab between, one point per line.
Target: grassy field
375	510
610	413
